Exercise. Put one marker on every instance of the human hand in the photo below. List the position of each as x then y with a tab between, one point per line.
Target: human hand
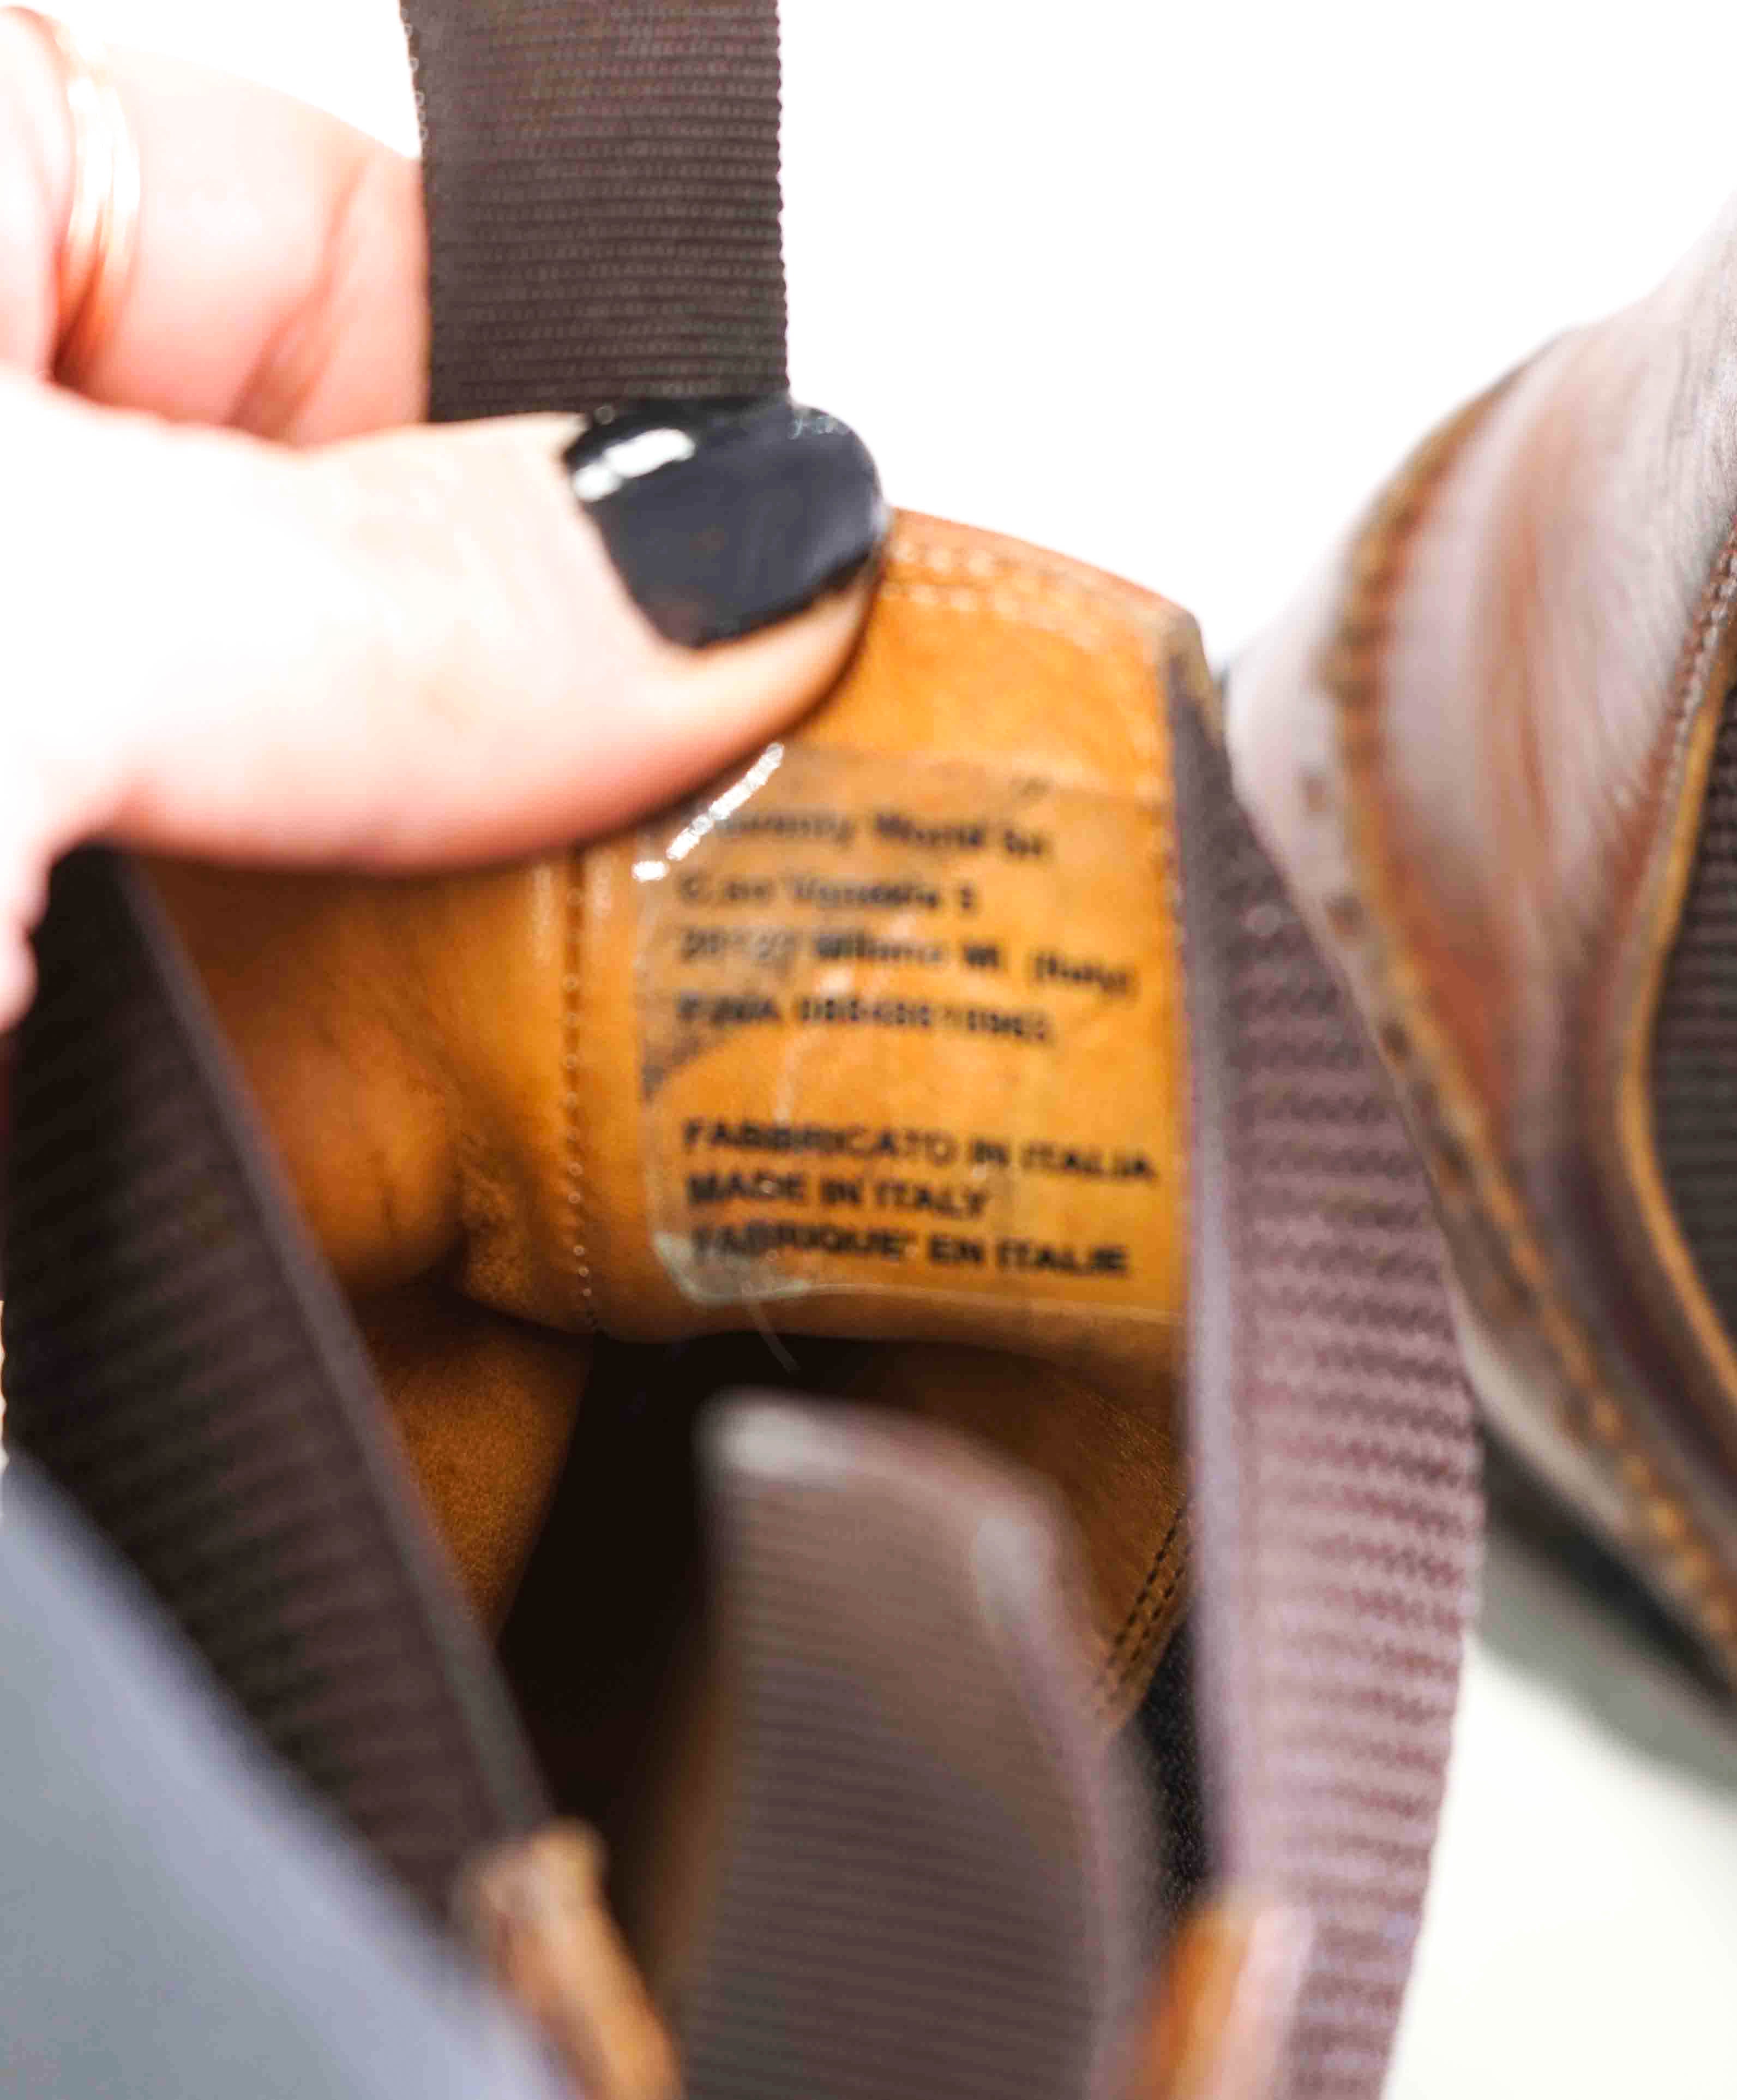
250	613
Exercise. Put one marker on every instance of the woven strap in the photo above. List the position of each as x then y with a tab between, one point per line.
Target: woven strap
178	1359
1338	1514
604	217
602	181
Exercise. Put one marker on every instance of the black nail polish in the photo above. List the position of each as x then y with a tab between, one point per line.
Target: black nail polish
724	516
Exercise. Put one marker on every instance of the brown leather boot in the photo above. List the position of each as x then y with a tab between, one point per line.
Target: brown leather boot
622	1091
882	1041
1494	753
880	1038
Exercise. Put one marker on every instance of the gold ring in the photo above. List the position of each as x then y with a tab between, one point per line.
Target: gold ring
101	234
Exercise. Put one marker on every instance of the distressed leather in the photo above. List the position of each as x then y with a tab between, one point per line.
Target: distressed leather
458	1075
1476	745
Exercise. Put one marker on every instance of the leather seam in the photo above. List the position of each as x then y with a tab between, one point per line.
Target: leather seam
1071	623
978	582
576	1201
1699	703
936	558
1474	1183
1056	601
1136	1610
1122	1662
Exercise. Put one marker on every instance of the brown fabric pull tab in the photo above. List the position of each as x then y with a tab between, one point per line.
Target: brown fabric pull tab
604	210
1338	1514
178	1360
602	185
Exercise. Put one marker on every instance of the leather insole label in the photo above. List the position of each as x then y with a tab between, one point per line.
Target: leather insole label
910	1027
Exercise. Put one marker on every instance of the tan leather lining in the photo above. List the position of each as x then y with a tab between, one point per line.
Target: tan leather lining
451	1069
977	647
572	1059
485	1406
1059	1426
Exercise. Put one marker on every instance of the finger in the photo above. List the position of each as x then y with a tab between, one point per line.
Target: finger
407	650
280	280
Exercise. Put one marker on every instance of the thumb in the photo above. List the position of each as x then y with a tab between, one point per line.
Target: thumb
428	646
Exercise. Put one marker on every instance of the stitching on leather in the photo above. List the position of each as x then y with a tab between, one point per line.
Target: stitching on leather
975	573
940	558
1095	617
1000	604
1142	1614
1473	1182
1699	708
1711	627
578	1240
1135	1610
1110	1688
980	580
934	576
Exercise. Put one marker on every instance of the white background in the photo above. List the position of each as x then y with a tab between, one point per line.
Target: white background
1170	288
